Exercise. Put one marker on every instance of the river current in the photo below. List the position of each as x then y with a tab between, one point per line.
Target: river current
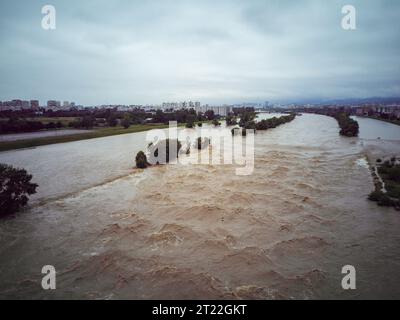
201	231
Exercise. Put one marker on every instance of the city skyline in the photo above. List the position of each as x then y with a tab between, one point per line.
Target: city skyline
126	52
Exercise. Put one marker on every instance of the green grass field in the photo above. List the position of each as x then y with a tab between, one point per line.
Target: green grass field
97	133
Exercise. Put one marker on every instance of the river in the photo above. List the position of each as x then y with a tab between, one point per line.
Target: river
181	231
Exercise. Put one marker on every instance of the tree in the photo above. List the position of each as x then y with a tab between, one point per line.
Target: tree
125	123
126	120
189	124
230	120
15	188
112	120
141	160
210	114
160	117
247	117
87	122
190	119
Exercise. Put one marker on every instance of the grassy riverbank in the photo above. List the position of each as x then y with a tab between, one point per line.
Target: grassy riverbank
397	122
387	183
97	133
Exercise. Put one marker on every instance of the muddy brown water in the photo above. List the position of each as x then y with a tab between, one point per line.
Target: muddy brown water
200	231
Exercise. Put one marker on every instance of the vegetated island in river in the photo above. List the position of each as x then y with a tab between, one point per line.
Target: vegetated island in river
348	126
247	121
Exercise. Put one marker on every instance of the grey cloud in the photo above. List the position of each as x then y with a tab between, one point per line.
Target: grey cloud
214	51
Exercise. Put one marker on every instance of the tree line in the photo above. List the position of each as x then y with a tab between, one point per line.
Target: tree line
87	119
248	121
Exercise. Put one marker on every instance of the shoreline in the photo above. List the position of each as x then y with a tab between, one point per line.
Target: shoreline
380	119
384	193
97	133
10	137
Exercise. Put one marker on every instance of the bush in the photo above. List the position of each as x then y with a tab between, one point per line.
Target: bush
141	160
393	189
385	201
16	186
216	123
249	125
375	195
231	120
394	173
200	124
234	130
382	199
14	125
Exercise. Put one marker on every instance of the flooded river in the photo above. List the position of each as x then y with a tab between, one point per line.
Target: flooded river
181	231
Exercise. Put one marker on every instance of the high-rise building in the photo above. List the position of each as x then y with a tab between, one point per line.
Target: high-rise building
53	104
25	105
34	104
66	105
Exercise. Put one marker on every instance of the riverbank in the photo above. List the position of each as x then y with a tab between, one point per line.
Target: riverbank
396	122
386	175
40	134
98	133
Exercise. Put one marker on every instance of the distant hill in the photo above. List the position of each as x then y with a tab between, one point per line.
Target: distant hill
348	101
377	100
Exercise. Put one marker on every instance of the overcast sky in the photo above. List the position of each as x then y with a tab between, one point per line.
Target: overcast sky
139	52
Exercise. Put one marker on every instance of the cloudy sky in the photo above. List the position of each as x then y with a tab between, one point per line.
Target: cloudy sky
139	52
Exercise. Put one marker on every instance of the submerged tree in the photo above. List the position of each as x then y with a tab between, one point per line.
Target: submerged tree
202	143
216	123
141	160
189	124
231	120
15	187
